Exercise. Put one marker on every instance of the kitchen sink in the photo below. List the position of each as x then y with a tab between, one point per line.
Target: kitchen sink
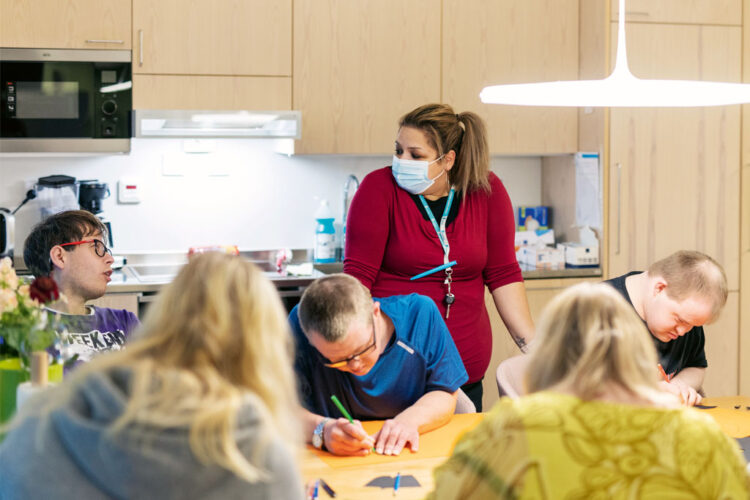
161	273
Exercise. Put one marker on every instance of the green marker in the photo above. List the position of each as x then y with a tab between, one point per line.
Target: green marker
342	409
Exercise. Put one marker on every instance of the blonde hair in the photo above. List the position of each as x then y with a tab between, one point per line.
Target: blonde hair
216	339
690	273
332	304
464	133
588	336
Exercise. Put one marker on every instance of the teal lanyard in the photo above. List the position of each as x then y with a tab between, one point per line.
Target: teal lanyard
440	230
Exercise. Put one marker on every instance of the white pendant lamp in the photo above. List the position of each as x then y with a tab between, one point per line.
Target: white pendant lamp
620	89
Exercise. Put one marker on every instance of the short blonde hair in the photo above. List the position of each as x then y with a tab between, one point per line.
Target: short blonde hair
215	339
332	304
589	335
690	273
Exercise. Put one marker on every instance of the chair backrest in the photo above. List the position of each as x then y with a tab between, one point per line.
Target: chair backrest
510	374
464	404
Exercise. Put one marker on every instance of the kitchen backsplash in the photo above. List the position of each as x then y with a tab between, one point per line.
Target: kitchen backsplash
243	193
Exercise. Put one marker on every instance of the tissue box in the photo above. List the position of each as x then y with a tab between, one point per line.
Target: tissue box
534	238
580	255
531	218
542	257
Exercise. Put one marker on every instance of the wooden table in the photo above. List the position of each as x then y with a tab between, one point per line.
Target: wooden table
349	475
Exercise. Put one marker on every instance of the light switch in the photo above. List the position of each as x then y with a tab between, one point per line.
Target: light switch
129	190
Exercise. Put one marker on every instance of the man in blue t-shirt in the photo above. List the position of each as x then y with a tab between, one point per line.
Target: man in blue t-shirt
389	359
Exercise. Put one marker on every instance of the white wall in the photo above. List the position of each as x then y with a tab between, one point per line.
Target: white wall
265	201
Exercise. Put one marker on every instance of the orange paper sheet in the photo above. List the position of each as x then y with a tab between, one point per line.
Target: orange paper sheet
437	443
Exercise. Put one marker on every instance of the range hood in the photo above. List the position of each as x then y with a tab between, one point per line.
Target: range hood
152	123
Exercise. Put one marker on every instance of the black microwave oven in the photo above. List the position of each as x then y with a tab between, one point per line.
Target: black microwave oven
65	100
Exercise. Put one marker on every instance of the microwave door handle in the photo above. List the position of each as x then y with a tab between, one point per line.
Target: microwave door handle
105	41
140	47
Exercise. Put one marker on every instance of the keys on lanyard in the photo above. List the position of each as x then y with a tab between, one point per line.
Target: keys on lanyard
449	297
443	237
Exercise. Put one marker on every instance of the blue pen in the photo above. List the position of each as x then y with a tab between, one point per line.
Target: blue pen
396	483
433	270
315	490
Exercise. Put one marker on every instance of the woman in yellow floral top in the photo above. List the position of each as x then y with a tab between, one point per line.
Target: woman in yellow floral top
596	426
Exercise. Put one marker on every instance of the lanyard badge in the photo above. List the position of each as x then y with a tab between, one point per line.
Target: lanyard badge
443	237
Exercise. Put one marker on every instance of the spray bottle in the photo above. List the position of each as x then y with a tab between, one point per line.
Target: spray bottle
325	234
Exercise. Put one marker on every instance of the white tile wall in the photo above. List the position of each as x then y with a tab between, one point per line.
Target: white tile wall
264	200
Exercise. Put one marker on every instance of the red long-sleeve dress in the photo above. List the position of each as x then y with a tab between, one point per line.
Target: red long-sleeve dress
388	241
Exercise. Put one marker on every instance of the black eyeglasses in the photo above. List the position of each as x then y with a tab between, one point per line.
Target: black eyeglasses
99	247
355	357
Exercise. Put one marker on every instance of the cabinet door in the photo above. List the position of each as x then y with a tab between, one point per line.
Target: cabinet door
359	66
722	339
74	24
212	37
674	178
680	11
745	218
212	92
127	301
491	42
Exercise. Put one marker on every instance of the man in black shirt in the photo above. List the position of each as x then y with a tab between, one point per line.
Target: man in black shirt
675	298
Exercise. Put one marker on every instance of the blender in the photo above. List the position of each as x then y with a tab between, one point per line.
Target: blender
56	193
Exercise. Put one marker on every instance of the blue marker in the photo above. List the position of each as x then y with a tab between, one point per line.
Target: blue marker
396	483
433	270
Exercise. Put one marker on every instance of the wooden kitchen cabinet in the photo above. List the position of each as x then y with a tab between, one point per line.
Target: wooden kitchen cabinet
675	172
722	339
744	347
71	24
212	37
127	301
679	11
484	44
358	67
539	293
212	92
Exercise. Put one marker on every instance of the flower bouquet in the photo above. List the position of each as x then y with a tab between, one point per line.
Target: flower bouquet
25	327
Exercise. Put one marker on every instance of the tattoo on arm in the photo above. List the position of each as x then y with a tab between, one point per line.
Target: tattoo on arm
521	343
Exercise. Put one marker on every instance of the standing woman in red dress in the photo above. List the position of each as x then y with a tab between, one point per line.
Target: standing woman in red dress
438	204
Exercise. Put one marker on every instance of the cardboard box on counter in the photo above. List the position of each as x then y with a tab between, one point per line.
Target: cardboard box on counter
542	257
580	255
540	237
532	218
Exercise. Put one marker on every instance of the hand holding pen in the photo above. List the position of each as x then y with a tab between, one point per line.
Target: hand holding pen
347	436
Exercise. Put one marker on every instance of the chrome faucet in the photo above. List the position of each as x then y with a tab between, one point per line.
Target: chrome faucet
347	186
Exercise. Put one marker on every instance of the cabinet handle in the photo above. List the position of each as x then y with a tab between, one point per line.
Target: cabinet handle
140	47
105	41
618	166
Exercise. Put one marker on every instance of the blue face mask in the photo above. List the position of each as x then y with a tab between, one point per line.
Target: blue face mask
411	175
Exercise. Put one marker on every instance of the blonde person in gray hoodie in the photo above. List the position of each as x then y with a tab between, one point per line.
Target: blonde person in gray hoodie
202	404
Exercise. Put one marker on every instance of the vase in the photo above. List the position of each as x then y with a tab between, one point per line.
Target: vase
11	375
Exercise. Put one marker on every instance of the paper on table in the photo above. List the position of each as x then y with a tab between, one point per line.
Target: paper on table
437	443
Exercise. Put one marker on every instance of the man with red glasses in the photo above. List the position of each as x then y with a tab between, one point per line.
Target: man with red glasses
387	359
69	247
